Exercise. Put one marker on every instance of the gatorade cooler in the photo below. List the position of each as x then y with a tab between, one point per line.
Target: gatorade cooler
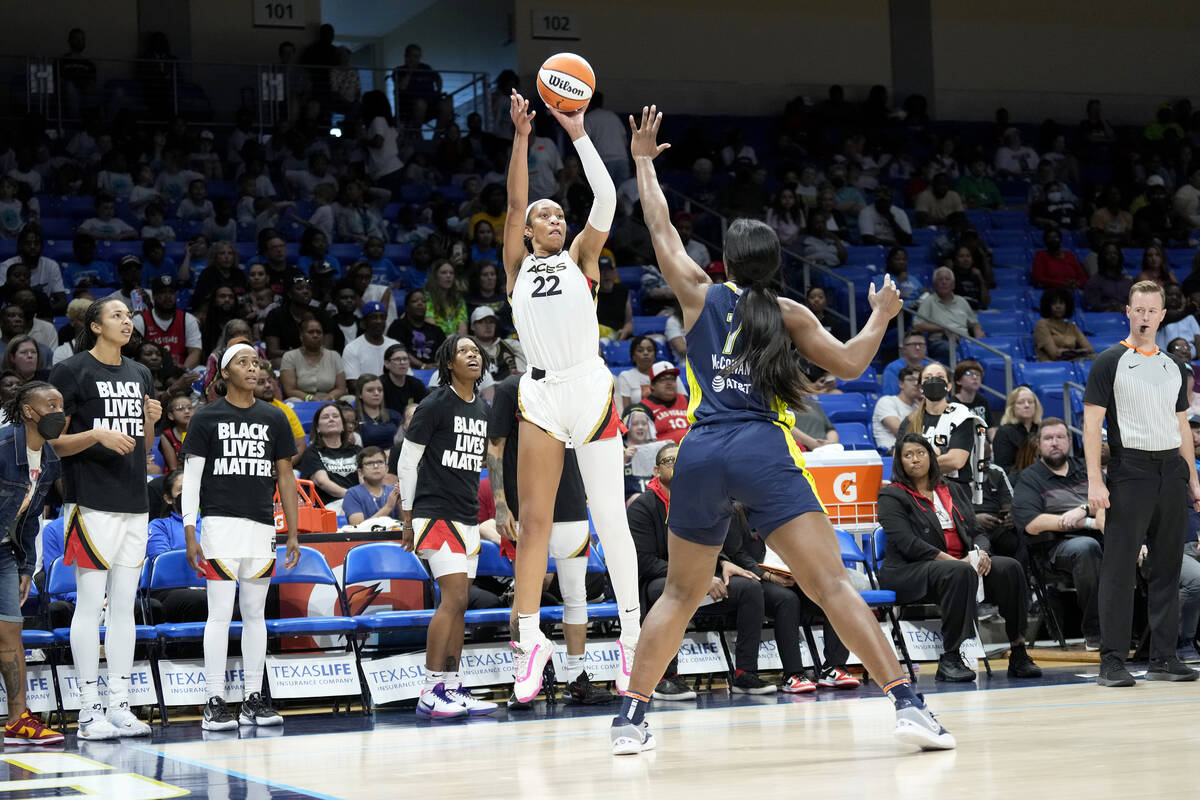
848	484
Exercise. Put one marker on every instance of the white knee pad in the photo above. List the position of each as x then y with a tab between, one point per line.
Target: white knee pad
572	582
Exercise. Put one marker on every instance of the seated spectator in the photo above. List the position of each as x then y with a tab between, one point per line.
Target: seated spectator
696	250
969	281
486	289
165	375
1186	201
177	413
331	458
155	262
281	331
945	316
1055	267
267	390
314	248
203	159
400	389
633	384
85	270
156	227
505	356
1155	267
25	359
305	181
977	188
1111	220
312	371
371	497
812	427
1014	159
420	337
883	223
356	220
892	409
106	225
822	244
174	182
849	199
1056	207
222	270
734	590
365	354
76	311
185	603
446	306
951	427
667	406
1014	446
897	266
614	309
1055	336
936	553
641	447
196	207
786	218
170	326
818	303
129	272
912	354
377	424
1156	221
361	278
1108	289
221	226
1050	503
937	202
657	294
1186	327
835	220
968	379
418	89
788	606
44	273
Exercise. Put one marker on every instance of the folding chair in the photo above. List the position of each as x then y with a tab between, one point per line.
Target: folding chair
876	598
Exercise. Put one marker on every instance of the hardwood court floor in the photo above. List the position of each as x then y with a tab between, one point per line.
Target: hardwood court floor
1072	740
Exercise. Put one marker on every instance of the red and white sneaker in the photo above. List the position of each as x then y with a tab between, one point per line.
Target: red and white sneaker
799	684
838	678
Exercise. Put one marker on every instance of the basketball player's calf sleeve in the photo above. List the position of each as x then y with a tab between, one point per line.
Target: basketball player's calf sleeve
119	631
91	585
600	464
254	633
216	635
572	577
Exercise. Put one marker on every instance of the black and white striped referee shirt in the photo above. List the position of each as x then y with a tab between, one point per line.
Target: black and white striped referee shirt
1140	391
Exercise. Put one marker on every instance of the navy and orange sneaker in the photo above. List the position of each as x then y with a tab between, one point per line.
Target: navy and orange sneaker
28	729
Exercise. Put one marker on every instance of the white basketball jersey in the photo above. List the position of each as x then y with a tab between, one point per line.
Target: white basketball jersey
554	309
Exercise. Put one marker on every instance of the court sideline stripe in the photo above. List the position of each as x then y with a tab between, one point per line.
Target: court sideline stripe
233	773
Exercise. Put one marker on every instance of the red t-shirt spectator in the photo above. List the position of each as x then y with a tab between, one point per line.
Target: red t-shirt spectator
666	407
1056	271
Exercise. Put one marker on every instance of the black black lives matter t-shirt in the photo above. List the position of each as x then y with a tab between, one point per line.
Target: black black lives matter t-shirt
240	447
454	433
97	395
340	465
570	504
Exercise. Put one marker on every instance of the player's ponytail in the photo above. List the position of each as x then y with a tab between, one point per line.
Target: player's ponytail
762	348
87	338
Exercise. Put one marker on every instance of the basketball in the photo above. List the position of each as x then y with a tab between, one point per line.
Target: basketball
565	81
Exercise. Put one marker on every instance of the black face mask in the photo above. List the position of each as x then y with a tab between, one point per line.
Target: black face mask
934	389
50	426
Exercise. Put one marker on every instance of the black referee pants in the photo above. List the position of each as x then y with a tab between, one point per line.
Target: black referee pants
1147	495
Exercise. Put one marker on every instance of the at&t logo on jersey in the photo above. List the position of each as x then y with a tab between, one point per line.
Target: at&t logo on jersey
721	381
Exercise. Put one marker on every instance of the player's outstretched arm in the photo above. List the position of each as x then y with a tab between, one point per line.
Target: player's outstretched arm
684	276
518	187
846	360
585	250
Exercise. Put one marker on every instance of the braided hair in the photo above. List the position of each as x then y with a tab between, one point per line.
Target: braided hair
12	409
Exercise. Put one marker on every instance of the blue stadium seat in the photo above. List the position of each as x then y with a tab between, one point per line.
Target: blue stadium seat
855	436
1046	379
1007	237
304	410
630	276
1009	277
616	354
414	193
1104	323
979	220
311	569
452	193
170	570
347	253
423	375
60	580
1009	298
385	561
867	383
1002	323
644	325
1013	256
854	558
398	253
60	228
1009	219
923	237
845	407
866	255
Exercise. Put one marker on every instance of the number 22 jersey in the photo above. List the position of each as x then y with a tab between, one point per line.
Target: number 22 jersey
554	309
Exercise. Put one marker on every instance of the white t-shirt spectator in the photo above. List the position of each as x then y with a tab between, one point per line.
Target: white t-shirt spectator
323	219
191	328
607	133
888	406
44	334
193	212
1021	160
46	276
113	228
361	356
872	223
174	186
164	233
32	179
305	182
118	184
698	253
385	159
216	232
1186	328
631	381
544	166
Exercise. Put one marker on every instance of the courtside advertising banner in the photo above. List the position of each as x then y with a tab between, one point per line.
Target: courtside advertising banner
141	686
185	684
39	689
315	675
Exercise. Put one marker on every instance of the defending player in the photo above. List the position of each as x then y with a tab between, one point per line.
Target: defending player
107	398
439	468
743	377
236	449
566	393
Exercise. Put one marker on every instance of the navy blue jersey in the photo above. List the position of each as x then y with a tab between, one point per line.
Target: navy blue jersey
714	396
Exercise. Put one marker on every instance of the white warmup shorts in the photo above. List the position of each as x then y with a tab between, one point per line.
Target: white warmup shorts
447	546
237	549
103	539
574	406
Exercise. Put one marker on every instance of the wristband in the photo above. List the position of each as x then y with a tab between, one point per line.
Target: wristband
1089	523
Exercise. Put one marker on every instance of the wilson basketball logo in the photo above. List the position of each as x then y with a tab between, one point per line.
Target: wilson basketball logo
566	81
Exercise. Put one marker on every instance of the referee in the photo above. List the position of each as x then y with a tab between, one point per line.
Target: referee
1140	392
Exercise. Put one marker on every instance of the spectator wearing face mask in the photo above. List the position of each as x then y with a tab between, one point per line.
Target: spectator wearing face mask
948	426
